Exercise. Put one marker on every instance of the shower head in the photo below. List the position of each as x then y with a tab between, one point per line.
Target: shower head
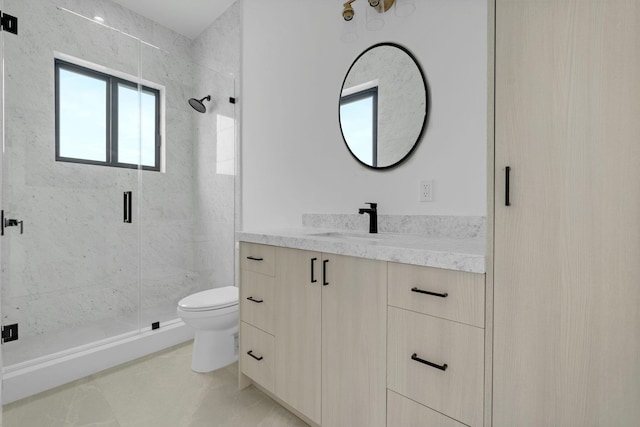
198	105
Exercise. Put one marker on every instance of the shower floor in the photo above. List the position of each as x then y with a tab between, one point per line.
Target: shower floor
29	348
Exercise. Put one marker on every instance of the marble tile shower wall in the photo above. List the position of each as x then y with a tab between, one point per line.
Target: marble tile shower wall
77	262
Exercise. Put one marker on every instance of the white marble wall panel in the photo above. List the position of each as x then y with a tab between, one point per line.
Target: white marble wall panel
218	47
77	262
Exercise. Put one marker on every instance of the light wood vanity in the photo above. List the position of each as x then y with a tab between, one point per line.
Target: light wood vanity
343	340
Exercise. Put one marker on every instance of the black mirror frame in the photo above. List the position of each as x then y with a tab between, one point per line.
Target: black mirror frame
426	112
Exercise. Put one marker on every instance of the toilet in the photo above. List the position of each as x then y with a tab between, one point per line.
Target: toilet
214	315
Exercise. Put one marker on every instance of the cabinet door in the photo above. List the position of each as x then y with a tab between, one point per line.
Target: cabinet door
354	316
567	250
298	326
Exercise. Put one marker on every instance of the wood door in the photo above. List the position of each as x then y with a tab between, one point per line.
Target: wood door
354	329
298	326
567	250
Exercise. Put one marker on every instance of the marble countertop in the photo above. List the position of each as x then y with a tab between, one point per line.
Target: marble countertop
461	254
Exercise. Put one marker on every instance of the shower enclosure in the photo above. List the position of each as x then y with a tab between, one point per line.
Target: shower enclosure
118	199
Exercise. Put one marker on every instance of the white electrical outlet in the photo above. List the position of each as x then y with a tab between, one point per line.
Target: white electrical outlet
426	190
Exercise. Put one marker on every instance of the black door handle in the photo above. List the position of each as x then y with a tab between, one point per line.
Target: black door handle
313	263
507	184
324	272
255	300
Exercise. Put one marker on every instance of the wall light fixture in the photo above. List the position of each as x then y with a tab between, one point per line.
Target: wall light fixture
380	6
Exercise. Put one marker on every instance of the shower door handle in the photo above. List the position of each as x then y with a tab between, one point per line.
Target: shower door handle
127	206
6	222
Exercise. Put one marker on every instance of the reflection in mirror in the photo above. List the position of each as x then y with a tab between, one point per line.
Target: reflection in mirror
359	115
383	106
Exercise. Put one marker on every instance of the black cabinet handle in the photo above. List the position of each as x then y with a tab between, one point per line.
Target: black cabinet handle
255	300
415	357
507	183
324	272
250	353
252	258
313	264
127	206
420	291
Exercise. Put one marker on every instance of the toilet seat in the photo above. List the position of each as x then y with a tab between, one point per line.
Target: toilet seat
211	299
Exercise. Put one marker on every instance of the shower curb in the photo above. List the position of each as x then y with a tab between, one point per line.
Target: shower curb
22	381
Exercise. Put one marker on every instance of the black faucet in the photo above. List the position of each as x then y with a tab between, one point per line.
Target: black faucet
373	216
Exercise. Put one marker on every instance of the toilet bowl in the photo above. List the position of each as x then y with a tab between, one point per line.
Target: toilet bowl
214	315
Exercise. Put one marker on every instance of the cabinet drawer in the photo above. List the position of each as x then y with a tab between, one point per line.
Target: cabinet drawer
456	391
407	413
258	258
256	300
464	301
259	365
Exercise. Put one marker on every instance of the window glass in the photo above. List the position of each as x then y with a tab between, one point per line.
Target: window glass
149	117
82	129
128	125
105	120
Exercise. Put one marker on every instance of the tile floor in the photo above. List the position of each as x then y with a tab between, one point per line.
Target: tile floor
156	391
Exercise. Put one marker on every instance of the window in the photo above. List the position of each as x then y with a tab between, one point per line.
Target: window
359	123
105	120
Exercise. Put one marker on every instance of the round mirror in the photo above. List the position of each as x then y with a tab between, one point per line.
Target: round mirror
383	106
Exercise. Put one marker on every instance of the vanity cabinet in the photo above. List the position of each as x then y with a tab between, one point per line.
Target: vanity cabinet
361	342
257	355
298	331
403	412
436	343
567	214
354	319
329	336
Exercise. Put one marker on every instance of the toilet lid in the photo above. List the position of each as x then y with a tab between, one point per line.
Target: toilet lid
210	299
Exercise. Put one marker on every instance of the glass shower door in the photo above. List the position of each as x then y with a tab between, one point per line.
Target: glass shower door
70	249
188	209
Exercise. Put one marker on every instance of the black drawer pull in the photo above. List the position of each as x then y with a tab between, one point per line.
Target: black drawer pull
252	258
420	291
313	274
255	300
250	353
415	357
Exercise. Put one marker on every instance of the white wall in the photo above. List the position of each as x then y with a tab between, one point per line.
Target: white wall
293	156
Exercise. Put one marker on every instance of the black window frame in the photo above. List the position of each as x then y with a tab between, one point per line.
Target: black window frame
111	96
372	93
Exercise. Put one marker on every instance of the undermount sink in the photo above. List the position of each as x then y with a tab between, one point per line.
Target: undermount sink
352	235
